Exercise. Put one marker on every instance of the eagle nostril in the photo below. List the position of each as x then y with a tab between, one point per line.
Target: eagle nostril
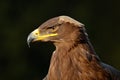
36	33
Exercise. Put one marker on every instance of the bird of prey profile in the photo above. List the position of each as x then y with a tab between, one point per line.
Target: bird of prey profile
74	57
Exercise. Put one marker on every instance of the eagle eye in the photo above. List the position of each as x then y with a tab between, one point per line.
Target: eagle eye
52	27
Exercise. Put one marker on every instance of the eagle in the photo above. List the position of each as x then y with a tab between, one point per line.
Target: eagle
74	57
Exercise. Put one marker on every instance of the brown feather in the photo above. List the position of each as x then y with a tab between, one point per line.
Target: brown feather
75	65
74	57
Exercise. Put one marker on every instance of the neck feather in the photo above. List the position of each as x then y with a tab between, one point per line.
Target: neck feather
73	62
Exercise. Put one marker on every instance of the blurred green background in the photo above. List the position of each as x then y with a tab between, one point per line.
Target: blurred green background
19	17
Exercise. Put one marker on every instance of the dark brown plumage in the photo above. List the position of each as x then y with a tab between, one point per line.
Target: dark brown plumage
74	57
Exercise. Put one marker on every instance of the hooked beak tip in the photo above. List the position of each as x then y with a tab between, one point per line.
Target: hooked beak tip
30	39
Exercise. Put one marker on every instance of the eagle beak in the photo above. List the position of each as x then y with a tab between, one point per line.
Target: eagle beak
36	35
32	36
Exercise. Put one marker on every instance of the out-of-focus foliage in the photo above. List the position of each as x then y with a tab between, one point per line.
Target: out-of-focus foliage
19	17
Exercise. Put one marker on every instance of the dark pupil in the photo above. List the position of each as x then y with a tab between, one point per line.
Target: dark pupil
52	27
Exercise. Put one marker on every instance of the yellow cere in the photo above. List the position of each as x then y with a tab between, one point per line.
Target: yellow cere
36	33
